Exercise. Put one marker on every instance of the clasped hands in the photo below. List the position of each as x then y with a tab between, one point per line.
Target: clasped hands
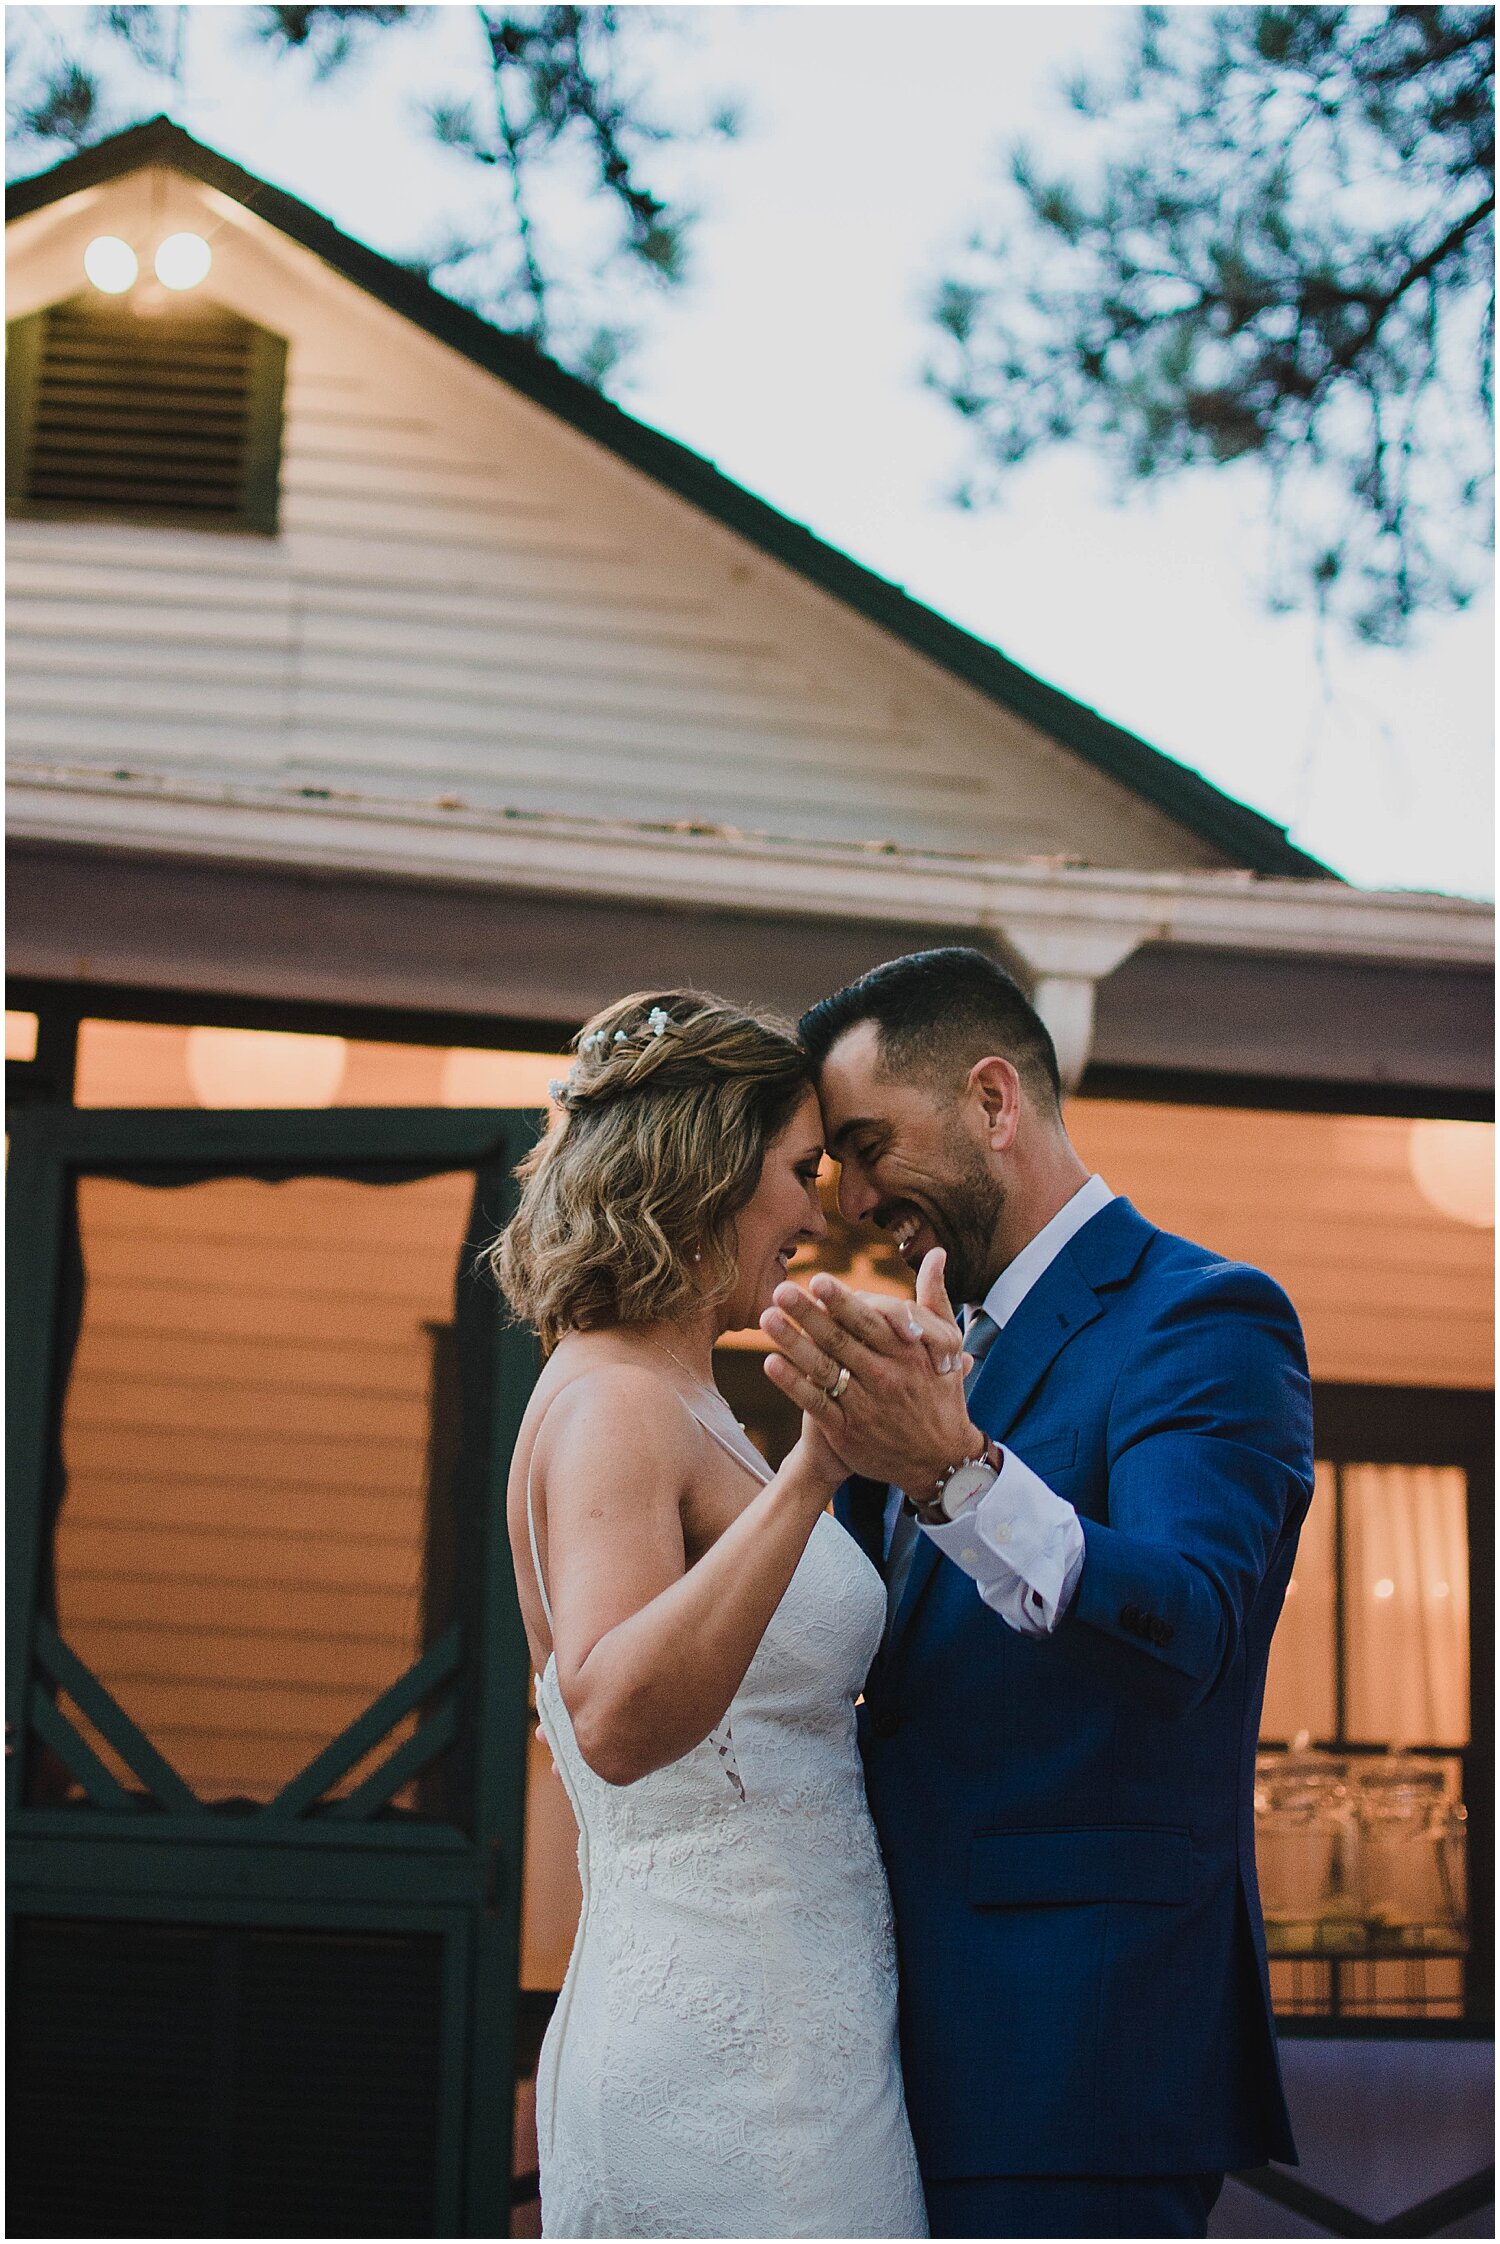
882	1378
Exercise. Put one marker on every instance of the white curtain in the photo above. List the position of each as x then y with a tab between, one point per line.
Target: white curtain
1406	1592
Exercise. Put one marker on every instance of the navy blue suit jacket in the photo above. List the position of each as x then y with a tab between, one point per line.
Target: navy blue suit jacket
1067	1820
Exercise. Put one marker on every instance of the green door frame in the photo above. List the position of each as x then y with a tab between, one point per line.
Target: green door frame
284	1865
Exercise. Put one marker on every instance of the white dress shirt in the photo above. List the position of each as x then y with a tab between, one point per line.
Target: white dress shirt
1021	1543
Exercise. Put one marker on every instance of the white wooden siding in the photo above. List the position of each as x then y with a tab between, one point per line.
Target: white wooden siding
469	599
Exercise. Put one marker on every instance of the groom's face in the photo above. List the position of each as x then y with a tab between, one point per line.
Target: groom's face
910	1162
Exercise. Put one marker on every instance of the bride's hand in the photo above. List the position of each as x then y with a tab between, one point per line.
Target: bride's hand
819	1455
853	1362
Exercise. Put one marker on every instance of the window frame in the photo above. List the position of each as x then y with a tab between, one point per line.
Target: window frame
1433	1426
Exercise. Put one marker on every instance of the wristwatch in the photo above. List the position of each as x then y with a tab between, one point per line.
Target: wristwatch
960	1485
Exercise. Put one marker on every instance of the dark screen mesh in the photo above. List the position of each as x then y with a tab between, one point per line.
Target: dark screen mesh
175	2080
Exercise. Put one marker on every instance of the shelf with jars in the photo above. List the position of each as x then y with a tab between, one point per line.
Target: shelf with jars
1361	1857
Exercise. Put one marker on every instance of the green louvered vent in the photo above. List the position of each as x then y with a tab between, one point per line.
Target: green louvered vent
116	415
184	2080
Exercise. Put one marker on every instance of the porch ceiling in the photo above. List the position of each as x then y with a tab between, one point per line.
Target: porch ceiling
1213	986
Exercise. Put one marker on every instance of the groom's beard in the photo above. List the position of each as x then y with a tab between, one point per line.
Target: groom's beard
966	1221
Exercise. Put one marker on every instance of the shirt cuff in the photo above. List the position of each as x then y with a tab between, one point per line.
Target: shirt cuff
1022	1544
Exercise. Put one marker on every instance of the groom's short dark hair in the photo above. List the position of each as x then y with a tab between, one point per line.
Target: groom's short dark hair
936	1013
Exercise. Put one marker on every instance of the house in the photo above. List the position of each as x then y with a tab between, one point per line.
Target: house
382	700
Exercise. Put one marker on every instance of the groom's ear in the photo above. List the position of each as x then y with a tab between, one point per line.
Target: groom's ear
996	1087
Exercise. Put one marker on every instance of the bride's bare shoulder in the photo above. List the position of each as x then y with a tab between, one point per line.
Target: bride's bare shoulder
591	1390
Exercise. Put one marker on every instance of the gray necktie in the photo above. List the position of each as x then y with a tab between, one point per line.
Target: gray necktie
979	1338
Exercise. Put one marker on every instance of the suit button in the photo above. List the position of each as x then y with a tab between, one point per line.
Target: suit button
1130	1617
885	1721
1162	1632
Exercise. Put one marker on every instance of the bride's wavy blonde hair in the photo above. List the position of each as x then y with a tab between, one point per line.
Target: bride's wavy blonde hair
628	1203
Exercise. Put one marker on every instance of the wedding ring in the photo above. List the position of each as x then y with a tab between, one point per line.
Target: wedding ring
833	1393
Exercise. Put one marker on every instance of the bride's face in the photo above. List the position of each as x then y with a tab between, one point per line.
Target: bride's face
783	1212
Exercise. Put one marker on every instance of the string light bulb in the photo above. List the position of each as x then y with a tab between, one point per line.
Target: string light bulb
1453	1167
263	1067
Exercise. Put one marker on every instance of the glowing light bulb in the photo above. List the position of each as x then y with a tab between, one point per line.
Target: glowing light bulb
1453	1164
263	1067
111	264
1385	1587
183	260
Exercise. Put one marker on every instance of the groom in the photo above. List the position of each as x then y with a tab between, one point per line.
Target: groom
1059	1731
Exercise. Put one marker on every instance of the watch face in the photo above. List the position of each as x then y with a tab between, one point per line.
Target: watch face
965	1486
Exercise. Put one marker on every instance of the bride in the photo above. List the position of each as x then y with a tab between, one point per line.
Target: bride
722	2061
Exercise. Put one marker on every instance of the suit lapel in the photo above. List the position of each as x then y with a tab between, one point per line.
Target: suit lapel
1061	1303
1063	1300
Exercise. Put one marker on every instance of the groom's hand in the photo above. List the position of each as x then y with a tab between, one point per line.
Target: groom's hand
898	1418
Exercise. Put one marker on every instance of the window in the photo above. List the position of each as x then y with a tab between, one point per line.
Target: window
1374	1796
118	415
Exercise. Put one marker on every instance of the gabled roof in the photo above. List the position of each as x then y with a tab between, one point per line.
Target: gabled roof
1245	837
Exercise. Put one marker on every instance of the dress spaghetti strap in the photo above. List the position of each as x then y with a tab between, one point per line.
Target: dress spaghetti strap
536	1560
756	1465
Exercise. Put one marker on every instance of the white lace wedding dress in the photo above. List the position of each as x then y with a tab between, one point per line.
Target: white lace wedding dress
722	2060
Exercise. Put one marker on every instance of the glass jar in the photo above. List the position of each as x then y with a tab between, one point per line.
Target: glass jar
1411	1831
1303	1846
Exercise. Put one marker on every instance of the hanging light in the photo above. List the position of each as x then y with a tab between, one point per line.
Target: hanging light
1453	1165
182	261
111	264
263	1067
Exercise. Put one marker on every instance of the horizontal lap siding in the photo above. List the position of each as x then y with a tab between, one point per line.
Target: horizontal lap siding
242	1546
1390	1291
464	600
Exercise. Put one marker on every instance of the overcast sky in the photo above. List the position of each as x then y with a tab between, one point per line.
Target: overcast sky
794	361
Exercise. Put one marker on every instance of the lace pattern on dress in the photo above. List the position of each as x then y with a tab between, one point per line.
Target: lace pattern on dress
722	1738
723	2060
